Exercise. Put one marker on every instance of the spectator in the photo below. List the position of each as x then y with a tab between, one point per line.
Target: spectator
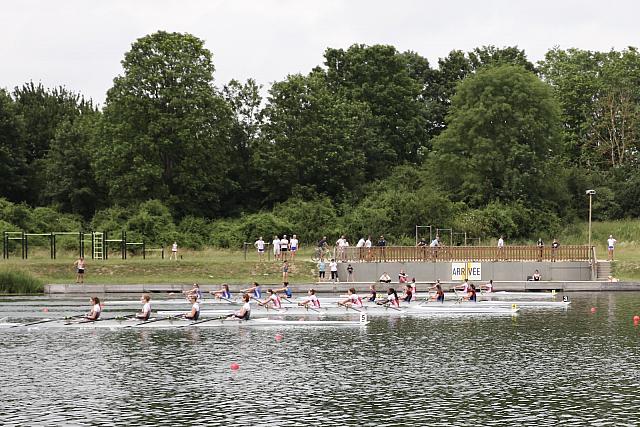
360	248
435	243
367	245
321	270
554	247
402	277
611	243
500	249
276	247
540	245
350	273
80	266
422	242
259	244
285	271
536	276
333	266
174	251
284	247
341	244
294	244
385	278
382	243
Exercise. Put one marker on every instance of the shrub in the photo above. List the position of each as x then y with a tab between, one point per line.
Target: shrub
309	220
194	232
152	223
19	282
225	233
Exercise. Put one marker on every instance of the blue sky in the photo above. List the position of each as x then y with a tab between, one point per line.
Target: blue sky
80	43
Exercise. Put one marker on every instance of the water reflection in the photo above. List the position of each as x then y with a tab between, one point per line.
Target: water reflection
540	368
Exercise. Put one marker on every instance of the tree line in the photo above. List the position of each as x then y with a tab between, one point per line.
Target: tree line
373	140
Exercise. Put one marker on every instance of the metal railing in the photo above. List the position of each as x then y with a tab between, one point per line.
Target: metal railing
463	253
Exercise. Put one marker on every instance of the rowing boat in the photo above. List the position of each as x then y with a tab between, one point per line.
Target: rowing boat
181	323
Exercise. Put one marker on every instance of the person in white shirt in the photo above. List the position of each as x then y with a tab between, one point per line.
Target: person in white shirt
284	247
312	300
245	311
174	251
276	247
294	244
195	309
96	309
611	243
360	246
500	248
259	244
146	308
333	267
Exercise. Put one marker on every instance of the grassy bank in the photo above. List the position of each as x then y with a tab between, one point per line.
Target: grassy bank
220	265
19	282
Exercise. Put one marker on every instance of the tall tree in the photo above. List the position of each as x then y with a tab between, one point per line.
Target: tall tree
313	140
166	129
502	129
385	80
13	162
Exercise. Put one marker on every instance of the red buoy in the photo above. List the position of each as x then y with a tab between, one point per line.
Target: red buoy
279	337
45	310
235	366
636	318
593	309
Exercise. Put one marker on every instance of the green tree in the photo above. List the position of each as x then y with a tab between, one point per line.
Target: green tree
503	128
70	178
313	141
166	130
390	84
13	164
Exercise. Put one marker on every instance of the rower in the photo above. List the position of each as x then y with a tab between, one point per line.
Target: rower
195	309
285	288
414	289
312	299
392	299
254	291
372	293
245	311
439	293
146	308
223	293
408	293
488	287
471	293
272	299
94	314
195	291
464	287
352	299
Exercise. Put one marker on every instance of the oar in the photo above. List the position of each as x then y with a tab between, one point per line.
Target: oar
48	320
205	320
177	316
387	305
308	308
459	301
350	307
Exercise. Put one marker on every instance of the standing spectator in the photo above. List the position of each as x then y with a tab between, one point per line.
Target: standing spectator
350	273
360	248
540	245
367	245
259	244
79	265
322	247
333	266
284	247
174	251
321	269
285	271
342	244
382	243
294	244
554	247
276	247
435	243
500	249
611	243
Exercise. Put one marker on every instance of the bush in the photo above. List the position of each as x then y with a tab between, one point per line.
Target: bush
265	224
225	233
194	232
309	220
19	282
152	223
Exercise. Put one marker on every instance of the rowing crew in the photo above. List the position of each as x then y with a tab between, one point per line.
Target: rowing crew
354	300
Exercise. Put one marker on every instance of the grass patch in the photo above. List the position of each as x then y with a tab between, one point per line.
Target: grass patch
19	282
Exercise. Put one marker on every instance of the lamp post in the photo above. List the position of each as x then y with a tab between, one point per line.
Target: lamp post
590	193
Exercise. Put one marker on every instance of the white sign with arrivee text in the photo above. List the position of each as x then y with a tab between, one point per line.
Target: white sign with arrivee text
466	271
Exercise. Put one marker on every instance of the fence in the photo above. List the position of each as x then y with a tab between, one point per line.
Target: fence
463	253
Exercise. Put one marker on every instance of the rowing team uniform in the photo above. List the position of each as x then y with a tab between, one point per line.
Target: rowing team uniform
225	294
408	295
472	295
313	300
354	299
275	300
465	288
247	312
195	307
95	311
287	292
146	311
393	301
440	296
372	296
256	293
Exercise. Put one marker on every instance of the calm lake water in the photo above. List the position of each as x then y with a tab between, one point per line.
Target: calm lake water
539	368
